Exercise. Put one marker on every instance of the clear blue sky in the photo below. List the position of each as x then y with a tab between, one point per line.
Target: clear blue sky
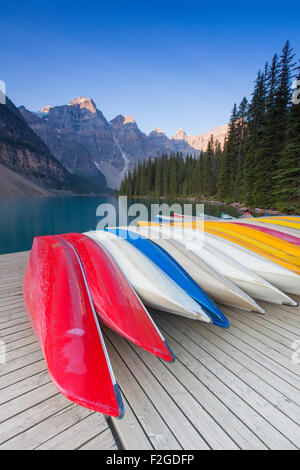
170	64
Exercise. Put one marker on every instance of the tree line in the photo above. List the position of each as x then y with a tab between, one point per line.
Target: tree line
259	164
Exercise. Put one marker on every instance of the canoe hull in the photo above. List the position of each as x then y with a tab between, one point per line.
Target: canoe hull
59	307
116	303
212	282
174	270
153	286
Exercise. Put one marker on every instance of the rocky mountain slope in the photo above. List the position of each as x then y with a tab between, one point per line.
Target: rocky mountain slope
14	184
199	142
23	152
80	137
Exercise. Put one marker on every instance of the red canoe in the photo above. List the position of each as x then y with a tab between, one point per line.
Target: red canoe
58	303
275	233
116	303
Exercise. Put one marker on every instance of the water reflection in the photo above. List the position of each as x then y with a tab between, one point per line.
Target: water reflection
23	218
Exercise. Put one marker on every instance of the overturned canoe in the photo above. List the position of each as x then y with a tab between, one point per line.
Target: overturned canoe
269	231
212	282
285	223
279	228
174	270
154	287
274	245
59	306
275	274
199	216
116	303
277	256
226	216
249	281
220	260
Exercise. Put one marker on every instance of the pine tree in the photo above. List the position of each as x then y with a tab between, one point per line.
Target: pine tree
227	176
287	179
173	177
242	132
158	179
255	122
260	161
209	186
275	126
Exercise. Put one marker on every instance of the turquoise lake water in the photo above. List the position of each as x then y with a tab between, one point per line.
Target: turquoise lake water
21	219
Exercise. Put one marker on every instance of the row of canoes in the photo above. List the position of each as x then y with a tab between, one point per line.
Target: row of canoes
76	282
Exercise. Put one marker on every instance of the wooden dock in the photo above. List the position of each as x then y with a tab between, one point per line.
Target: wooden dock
228	389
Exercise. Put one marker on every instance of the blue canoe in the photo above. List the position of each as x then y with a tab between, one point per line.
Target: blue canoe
169	266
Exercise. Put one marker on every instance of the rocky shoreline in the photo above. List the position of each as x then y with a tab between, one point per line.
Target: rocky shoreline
240	208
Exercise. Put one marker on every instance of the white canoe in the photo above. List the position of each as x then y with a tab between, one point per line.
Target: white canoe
246	279
280	277
212	282
280	228
154	287
200	216
220	260
231	261
236	268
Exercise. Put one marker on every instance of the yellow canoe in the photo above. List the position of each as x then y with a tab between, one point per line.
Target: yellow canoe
280	228
295	218
260	237
286	223
273	254
255	249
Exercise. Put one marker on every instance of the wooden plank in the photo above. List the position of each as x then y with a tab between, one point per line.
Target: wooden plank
78	434
22	373
130	431
19	363
226	418
21	342
168	408
29	399
237	395
14	329
235	388
207	427
19	335
32	416
23	351
14	322
279	325
152	423
263	339
6	303
14	314
13	307
104	440
49	428
23	386
287	320
13	286
244	340
11	292
268	328
252	373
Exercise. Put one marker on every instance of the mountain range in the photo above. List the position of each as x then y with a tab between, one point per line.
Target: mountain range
74	144
22	153
81	138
